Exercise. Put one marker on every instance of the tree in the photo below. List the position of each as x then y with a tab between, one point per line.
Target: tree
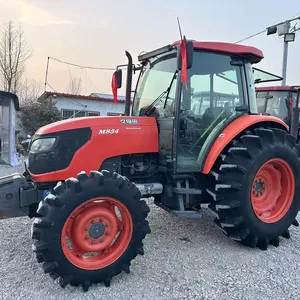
30	91
14	53
35	115
75	86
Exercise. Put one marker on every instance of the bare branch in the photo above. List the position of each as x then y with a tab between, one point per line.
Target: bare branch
30	91
75	86
14	53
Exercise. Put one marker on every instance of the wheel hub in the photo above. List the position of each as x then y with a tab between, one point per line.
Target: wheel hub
273	190
259	187
96	230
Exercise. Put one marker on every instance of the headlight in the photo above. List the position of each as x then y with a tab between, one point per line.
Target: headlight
42	145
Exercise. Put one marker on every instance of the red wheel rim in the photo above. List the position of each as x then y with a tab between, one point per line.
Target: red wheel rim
273	190
97	233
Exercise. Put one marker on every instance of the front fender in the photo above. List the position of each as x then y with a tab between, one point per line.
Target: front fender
232	130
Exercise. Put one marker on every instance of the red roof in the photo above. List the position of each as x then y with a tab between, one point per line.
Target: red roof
255	55
45	95
277	88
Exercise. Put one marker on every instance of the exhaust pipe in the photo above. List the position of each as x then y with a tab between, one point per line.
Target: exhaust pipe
128	84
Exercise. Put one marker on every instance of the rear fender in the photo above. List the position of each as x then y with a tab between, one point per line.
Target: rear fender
235	128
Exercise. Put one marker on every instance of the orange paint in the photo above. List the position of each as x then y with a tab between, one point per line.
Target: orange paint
231	131
273	190
129	139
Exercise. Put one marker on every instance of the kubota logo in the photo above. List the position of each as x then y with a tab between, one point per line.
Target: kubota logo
108	131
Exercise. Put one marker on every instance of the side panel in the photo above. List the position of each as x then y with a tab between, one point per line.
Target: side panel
107	141
232	130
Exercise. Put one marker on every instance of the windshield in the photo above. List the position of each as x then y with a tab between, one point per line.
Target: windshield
155	79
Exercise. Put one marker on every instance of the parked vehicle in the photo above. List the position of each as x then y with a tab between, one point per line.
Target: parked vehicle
94	171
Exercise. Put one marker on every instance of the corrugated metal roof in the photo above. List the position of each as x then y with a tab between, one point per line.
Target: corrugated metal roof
101	97
106	96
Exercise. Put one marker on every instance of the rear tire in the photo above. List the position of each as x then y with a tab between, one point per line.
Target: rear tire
248	210
82	212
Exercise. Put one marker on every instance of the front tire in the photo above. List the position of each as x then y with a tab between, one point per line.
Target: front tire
90	229
257	191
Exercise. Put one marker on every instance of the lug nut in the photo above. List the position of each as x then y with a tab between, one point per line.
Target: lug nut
106	225
101	240
86	237
107	233
93	241
92	221
86	229
101	220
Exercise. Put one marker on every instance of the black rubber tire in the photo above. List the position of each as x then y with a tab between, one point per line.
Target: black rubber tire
234	173
57	207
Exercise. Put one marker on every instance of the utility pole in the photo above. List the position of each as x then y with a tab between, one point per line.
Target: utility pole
285	53
283	28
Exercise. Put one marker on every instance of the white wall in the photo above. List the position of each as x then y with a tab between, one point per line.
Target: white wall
89	105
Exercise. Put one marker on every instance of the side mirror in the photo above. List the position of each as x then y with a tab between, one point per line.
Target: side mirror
116	83
189	55
117	78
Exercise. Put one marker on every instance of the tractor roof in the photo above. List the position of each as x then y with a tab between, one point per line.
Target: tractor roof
253	54
292	88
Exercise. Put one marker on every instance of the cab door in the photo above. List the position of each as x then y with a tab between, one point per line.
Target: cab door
166	124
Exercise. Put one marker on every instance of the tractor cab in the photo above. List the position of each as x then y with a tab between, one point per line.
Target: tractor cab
194	93
277	101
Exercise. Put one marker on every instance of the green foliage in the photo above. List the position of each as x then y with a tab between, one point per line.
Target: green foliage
35	115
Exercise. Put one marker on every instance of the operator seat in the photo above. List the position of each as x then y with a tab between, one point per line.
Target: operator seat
210	114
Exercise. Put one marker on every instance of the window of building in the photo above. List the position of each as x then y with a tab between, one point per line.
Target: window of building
114	114
69	113
92	114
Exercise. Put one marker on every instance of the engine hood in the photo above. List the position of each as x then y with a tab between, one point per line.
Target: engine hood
106	121
83	144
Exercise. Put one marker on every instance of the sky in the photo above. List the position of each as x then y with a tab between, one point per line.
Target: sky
97	33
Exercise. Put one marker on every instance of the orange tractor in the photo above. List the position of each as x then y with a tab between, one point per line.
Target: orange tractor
88	227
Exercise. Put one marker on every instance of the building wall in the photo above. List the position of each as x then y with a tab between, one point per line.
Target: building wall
103	107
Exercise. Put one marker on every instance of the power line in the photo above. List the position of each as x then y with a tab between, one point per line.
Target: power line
61	94
295	17
82	67
251	36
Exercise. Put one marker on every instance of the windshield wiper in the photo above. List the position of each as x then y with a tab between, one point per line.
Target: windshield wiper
145	113
167	91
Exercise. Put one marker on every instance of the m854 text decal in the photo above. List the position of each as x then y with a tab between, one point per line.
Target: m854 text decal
108	131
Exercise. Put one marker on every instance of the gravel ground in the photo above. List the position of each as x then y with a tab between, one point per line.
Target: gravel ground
184	259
